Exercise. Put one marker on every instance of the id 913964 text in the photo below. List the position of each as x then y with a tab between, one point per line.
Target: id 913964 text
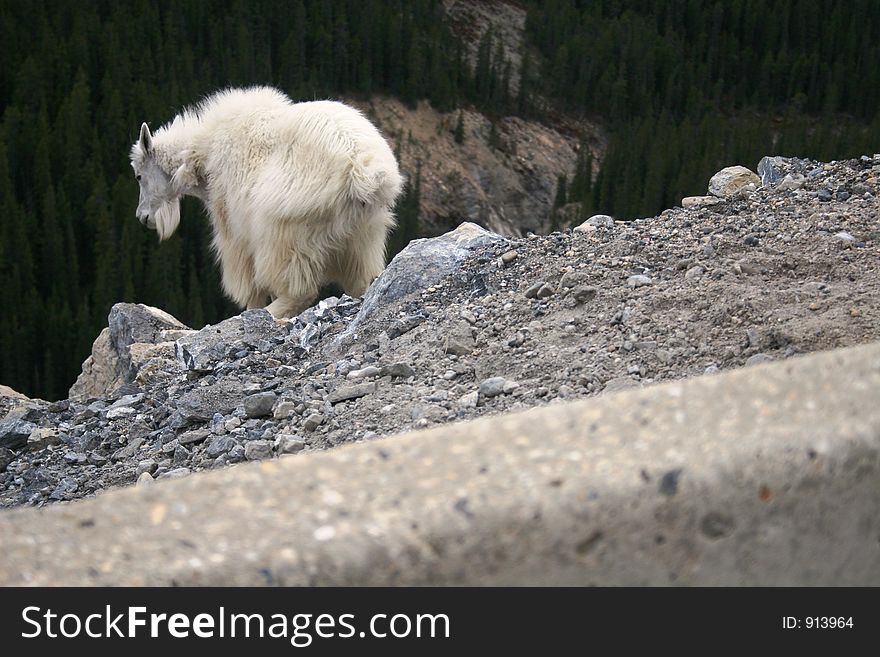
817	622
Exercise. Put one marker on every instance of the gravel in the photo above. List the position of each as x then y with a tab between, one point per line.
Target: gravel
775	272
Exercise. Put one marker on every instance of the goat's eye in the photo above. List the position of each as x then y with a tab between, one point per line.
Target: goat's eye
138	177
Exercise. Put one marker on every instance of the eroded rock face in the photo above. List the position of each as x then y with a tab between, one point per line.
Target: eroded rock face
134	337
99	371
503	176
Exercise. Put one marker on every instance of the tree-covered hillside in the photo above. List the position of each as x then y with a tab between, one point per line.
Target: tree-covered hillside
76	81
684	87
690	86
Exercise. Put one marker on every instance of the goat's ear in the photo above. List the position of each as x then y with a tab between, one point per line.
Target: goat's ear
183	180
146	139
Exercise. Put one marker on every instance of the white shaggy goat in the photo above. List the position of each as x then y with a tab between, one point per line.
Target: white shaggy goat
299	194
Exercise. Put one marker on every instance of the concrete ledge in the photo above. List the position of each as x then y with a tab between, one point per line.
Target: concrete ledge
764	476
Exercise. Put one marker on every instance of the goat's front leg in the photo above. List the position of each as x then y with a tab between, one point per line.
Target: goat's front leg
256	300
289	306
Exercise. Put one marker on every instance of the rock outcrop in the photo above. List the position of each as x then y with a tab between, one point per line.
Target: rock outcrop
9	399
137	337
423	263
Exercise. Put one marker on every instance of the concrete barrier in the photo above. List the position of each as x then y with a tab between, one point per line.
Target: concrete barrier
764	476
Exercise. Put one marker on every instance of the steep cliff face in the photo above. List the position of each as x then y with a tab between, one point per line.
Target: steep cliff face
503	178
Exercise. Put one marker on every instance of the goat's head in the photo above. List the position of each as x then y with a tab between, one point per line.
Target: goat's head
159	204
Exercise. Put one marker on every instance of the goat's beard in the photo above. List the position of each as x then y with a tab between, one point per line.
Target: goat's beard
167	218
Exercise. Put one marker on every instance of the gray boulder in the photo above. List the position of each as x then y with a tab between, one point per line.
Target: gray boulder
257	450
770	169
260	404
135	335
14	433
21	421
421	264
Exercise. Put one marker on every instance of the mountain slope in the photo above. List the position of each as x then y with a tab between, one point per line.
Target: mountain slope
506	182
472	323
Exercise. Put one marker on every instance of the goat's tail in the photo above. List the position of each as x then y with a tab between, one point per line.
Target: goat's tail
374	180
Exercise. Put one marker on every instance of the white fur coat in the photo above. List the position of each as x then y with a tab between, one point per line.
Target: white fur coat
299	194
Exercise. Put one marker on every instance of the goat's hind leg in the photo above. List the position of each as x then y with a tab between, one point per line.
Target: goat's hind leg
296	285
237	276
256	300
289	306
363	257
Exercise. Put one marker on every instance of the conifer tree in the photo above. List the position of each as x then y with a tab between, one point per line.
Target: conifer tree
459	128
558	201
494	139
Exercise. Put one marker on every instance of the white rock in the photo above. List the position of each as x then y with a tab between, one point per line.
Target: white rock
731	180
492	387
122	411
698	201
791	182
287	443
596	221
368	372
509	387
283	410
638	280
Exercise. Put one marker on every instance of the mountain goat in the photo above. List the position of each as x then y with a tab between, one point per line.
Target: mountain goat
299	194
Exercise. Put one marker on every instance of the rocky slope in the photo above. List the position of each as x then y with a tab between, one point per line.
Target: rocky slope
507	186
504	181
467	324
